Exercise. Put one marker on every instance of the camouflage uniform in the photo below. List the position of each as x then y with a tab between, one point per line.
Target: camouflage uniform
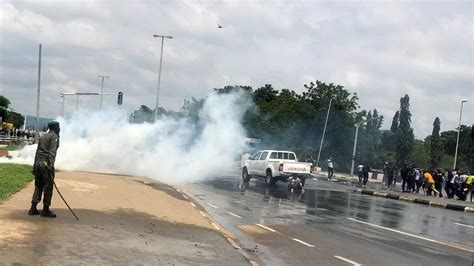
43	169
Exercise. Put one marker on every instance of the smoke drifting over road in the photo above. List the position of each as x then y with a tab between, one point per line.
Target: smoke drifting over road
173	150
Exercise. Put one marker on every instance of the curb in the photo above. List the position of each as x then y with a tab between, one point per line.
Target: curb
219	229
427	202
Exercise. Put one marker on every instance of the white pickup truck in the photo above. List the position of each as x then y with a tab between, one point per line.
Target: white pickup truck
273	166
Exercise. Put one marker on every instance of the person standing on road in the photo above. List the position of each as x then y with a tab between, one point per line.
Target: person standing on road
390	175
411	179
429	183
439	178
418	179
330	168
43	169
366	171
404	175
360	169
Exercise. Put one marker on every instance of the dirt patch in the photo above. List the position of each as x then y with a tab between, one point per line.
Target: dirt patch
122	221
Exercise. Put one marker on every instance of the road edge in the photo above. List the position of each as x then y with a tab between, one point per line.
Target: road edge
218	227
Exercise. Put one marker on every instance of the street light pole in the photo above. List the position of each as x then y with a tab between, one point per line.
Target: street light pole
357	125
159	71
355	147
38	96
324	132
102	91
459	131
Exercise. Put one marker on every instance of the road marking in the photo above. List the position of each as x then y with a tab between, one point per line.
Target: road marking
302	242
412	235
192	204
184	196
212	206
215	226
203	214
348	260
465	225
235	215
179	191
266	228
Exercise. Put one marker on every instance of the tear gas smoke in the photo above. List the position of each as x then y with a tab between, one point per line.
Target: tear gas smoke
172	150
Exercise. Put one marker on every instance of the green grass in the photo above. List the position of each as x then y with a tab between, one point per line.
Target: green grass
10	148
13	177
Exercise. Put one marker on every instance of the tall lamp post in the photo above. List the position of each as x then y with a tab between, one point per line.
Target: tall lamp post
159	71
102	91
324	132
459	131
357	125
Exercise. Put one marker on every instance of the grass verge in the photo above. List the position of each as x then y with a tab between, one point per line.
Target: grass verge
10	148
13	177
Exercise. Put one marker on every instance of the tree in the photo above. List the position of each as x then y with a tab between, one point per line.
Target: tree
436	147
395	122
404	135
4	105
16	119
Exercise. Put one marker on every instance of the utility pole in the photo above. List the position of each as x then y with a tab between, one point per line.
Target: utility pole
102	91
459	131
324	132
38	96
159	71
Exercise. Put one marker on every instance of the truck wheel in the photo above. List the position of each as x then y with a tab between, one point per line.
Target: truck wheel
269	178
245	175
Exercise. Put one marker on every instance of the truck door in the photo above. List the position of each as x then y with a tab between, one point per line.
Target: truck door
260	165
253	163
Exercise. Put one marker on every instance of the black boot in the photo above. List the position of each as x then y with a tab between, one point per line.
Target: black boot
47	213
33	210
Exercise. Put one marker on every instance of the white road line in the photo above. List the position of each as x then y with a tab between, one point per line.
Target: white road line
192	204
212	206
412	235
266	228
348	260
203	214
465	225
184	196
235	215
302	242
215	226
179	191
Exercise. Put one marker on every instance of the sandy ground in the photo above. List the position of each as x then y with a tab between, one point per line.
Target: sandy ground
123	220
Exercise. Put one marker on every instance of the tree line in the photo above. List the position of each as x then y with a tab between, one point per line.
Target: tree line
8	115
285	119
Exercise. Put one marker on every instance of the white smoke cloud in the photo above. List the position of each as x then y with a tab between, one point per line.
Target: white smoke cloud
172	150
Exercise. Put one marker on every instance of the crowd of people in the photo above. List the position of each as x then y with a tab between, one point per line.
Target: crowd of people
433	182
18	133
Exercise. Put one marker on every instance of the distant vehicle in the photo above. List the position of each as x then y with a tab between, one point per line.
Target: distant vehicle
274	166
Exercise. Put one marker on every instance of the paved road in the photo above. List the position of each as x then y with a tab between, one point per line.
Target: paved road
328	225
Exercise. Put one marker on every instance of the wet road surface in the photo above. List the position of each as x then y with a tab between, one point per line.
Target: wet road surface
329	225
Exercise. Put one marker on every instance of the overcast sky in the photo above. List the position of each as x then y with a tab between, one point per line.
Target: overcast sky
380	50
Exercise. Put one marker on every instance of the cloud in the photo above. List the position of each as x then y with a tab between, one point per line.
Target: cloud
379	50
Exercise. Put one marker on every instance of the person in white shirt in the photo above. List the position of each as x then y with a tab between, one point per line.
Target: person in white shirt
330	168
360	168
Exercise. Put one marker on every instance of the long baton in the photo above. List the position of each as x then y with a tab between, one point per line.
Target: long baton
56	187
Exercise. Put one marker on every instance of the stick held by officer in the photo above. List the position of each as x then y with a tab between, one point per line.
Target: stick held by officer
43	170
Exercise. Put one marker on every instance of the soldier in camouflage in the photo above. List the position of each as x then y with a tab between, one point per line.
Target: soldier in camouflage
43	169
